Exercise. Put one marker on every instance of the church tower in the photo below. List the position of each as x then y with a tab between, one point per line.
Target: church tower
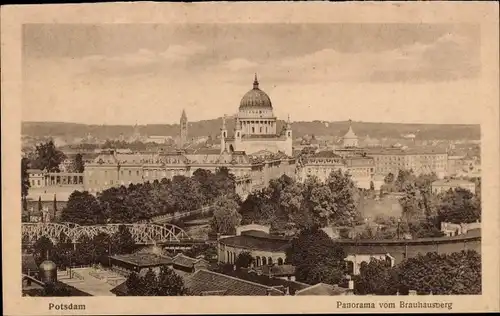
223	135
184	129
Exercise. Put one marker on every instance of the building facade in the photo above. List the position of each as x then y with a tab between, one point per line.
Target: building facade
441	186
113	169
256	126
323	163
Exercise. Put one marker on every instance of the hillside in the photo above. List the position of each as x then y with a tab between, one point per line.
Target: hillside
212	127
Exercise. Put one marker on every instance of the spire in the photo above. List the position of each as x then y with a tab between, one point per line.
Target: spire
183	115
224	122
288	123
256	82
237	126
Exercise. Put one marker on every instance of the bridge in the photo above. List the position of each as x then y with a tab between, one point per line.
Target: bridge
143	233
177	215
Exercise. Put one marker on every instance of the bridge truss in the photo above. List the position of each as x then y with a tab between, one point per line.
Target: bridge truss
143	234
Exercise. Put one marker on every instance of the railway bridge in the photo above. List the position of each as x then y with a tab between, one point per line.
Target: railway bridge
143	233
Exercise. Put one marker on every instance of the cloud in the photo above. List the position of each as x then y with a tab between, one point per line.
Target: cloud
239	64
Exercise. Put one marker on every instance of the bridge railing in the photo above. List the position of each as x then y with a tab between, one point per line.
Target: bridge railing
176	215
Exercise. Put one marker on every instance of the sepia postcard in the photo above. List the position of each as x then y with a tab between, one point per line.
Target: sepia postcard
205	158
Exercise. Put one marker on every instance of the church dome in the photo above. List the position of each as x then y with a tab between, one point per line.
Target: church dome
255	98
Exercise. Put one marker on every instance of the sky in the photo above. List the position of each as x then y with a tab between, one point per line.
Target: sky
148	73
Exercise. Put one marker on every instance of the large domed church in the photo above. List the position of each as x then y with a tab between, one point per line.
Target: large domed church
256	127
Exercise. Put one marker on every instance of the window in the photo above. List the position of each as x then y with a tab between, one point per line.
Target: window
38	182
137	172
130	172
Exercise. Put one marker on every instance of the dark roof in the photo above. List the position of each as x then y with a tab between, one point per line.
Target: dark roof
207	151
322	289
326	154
28	263
277	270
143	259
203	281
256	243
185	261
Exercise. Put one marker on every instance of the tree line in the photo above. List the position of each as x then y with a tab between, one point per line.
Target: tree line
423	211
286	202
145	200
86	251
458	273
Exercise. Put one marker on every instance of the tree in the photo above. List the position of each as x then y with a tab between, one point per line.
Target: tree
378	277
404	177
25	182
56	290
134	285
323	206
207	184
244	260
443	274
459	206
389	178
48	157
123	242
55	206
78	164
40	206
226	216
150	283
170	284
83	209
42	249
344	191
317	257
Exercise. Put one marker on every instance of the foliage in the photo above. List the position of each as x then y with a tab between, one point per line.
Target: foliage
244	260
25	182
442	274
377	277
456	273
166	283
208	251
122	241
56	290
47	157
78	164
145	200
459	206
317	257
226	216
83	209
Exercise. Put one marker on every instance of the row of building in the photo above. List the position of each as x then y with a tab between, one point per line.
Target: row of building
256	152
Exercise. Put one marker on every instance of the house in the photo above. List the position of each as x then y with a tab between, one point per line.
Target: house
323	290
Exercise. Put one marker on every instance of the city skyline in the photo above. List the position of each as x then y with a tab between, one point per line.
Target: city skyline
148	79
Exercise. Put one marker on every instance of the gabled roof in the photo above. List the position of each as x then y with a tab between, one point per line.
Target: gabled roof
185	261
322	289
204	281
277	270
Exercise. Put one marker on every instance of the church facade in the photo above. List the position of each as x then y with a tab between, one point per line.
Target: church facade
256	127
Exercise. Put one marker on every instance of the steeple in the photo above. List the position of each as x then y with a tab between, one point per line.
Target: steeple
224	123
237	126
183	115
288	123
256	82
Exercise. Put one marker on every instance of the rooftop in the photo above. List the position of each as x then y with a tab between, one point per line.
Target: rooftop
185	261
322	289
144	259
204	282
277	270
257	243
452	182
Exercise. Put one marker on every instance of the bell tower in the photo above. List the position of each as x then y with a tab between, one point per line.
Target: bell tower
184	129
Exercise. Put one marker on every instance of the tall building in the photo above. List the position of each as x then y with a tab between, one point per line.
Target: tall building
184	129
350	139
256	126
